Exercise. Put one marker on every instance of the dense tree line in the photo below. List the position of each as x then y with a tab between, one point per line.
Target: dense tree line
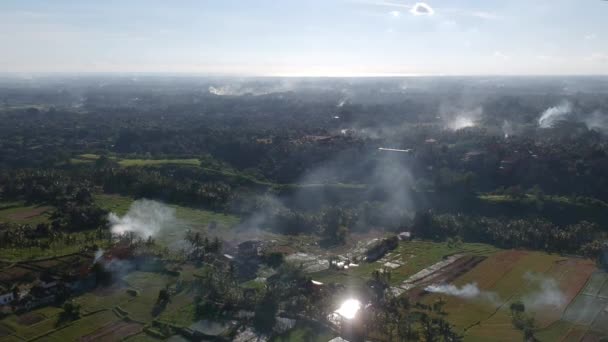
283	138
536	234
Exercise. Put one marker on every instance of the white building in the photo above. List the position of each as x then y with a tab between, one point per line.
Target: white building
6	298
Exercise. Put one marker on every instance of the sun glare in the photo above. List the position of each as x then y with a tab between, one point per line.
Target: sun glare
349	308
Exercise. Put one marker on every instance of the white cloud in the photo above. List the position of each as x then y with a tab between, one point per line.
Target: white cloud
500	55
481	14
385	3
395	13
421	8
598	57
469	13
590	36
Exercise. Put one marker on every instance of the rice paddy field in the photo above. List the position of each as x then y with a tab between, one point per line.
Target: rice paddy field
530	277
23	213
89	158
185	218
20	212
120	205
502	276
108	314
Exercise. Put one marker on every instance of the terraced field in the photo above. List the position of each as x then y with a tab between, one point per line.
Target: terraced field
108	314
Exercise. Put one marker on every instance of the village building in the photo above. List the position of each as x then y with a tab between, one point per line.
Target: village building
6	296
380	248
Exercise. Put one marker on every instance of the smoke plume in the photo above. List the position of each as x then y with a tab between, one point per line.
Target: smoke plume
548	293
507	129
98	255
463	119
468	291
555	114
597	121
144	218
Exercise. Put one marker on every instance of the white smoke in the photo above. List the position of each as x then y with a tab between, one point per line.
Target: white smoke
553	115
221	91
236	90
597	121
468	291
507	129
463	119
98	255
239	88
547	295
144	218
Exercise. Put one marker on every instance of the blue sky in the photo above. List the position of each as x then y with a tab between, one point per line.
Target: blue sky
306	37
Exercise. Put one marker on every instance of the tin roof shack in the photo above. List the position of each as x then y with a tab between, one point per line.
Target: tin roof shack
249	258
6	296
380	248
250	249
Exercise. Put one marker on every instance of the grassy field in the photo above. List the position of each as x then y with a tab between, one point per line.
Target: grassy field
156	162
190	162
49	327
120	205
33	253
588	308
214	168
81	327
20	213
88	158
186	218
56	249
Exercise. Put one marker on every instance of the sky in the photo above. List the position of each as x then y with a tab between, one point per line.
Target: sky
306	37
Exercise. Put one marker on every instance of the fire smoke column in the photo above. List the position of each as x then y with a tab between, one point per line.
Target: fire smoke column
555	114
144	218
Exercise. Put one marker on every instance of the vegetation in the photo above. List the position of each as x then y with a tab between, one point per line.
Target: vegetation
293	176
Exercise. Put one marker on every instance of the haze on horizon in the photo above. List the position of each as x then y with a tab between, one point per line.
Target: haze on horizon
306	38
